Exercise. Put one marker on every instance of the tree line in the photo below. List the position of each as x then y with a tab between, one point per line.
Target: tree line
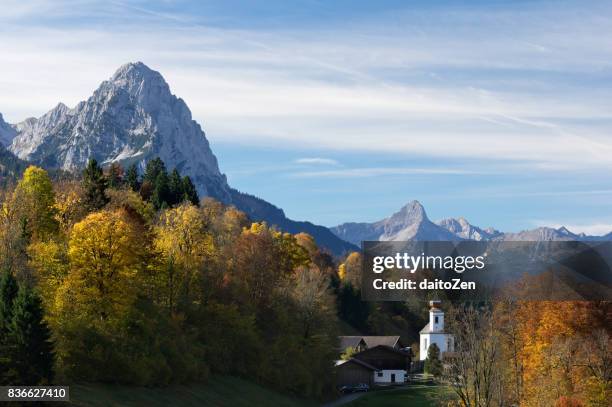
122	277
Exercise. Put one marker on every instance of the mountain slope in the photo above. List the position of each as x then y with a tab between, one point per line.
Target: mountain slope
257	208
11	167
7	132
132	118
409	223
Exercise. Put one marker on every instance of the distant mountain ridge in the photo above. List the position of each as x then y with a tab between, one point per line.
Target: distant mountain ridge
411	223
132	118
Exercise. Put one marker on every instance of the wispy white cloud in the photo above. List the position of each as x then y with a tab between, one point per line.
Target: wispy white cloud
316	161
450	89
377	172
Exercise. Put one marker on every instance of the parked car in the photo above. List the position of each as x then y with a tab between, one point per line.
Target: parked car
361	387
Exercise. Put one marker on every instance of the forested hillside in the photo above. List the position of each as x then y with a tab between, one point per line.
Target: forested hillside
126	279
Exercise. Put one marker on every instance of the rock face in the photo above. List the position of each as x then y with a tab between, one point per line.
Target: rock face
546	233
7	132
463	229
409	223
132	118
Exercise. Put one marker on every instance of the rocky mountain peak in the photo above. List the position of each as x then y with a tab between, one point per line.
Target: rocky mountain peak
131	118
135	71
412	212
146	86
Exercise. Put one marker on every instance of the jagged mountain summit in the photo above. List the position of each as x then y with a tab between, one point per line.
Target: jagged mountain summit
411	223
133	117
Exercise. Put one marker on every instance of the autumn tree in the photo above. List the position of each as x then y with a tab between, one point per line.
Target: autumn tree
34	200
69	204
105	253
350	270
98	305
315	306
473	371
181	236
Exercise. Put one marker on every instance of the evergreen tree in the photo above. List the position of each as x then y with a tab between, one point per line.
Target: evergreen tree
95	185
433	365
190	193
161	191
131	178
8	292
115	175
176	188
29	340
155	167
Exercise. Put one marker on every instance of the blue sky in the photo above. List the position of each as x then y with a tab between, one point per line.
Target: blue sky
344	111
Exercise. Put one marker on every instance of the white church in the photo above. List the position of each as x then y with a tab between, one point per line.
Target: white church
434	332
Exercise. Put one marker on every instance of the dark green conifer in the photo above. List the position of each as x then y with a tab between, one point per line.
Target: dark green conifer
95	185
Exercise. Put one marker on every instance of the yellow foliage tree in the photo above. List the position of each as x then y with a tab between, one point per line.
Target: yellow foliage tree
349	271
69	207
182	238
50	261
105	253
35	200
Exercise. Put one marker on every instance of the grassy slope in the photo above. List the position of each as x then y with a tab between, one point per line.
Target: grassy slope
414	396
219	391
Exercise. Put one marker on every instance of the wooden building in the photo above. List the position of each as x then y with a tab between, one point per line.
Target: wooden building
353	372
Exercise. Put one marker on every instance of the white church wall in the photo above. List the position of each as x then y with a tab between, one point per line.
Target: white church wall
441	340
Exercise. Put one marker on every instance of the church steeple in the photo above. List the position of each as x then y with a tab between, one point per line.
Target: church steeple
436	317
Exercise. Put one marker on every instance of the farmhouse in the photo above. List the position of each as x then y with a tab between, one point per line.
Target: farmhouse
378	360
391	364
434	332
354	371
